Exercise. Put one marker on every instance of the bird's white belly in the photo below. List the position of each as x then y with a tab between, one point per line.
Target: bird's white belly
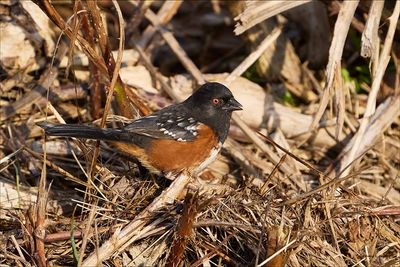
213	155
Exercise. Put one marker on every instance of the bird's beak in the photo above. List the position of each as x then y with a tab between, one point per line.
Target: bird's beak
232	105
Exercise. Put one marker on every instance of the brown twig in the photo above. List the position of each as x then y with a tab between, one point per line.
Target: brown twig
62	236
137	17
55	167
250	59
108	69
52	13
75	29
147	62
257	12
39	91
263	189
213	251
370	37
85	236
183	231
112	67
371	104
176	48
239	70
333	69
129	232
95	73
165	14
40	226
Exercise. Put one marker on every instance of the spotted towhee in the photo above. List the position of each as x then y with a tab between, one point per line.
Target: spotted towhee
181	137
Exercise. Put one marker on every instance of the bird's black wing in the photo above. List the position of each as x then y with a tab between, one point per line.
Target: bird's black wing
170	123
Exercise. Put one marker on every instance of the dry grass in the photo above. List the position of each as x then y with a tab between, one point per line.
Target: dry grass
320	189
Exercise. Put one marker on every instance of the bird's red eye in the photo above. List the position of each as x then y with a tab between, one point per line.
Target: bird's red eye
215	101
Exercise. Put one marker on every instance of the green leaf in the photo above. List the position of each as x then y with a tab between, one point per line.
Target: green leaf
289	99
73	245
346	75
252	74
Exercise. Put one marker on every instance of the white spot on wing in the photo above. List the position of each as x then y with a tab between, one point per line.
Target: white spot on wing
191	128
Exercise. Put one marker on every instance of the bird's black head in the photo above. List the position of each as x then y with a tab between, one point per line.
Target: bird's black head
213	104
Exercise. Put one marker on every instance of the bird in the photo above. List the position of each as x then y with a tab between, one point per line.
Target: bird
181	137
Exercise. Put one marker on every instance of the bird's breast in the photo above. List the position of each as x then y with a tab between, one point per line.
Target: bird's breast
171	156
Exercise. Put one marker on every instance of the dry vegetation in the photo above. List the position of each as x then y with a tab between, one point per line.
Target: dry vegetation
320	78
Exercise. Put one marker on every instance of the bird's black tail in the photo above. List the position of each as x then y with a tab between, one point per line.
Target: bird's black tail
84	131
